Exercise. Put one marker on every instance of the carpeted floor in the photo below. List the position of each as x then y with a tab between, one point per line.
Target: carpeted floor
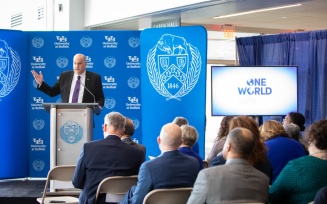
20	191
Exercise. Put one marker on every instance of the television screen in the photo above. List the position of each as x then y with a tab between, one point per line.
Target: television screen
255	91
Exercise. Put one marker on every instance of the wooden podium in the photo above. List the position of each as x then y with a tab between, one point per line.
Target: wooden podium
71	125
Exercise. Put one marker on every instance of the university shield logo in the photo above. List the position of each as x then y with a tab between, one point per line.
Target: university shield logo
71	132
173	66
134	42
37	42
86	41
38	165
10	67
62	62
38	123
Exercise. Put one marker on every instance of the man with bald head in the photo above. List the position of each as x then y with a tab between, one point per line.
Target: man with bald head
171	169
236	181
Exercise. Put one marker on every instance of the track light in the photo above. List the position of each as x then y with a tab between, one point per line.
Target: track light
257	11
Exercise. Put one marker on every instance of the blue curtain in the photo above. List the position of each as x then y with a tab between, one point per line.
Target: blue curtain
307	50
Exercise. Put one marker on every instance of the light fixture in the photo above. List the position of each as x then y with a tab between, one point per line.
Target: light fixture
257	11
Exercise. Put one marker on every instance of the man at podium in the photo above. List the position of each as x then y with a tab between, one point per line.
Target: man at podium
77	86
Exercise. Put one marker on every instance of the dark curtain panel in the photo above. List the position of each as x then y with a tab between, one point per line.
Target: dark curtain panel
307	50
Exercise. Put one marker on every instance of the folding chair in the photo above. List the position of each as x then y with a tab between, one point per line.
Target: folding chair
164	196
62	173
115	187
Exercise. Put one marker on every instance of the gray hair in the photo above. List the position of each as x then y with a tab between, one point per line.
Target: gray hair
116	120
293	131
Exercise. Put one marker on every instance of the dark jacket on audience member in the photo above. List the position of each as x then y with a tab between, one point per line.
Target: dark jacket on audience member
103	158
171	169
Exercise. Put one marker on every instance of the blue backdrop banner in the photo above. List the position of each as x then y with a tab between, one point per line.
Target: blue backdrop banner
173	80
13	94
173	84
115	55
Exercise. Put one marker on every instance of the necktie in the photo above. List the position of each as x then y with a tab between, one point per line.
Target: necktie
76	90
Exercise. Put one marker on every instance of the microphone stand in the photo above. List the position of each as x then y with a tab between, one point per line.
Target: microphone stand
96	108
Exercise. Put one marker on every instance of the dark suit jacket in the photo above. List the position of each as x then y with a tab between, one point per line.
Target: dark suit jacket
129	141
170	170
104	158
62	86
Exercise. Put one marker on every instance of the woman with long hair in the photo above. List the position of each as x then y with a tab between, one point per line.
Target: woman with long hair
220	139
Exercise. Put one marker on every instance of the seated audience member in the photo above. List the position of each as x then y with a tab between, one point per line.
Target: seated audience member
280	148
301	178
128	133
172	169
296	118
321	196
299	120
293	132
221	138
236	181
189	137
179	120
218	160
183	121
258	157
106	157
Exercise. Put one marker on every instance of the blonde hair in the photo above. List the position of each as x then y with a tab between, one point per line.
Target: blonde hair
271	129
189	135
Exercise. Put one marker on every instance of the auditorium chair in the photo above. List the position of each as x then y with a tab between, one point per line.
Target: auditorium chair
66	194
115	187
164	196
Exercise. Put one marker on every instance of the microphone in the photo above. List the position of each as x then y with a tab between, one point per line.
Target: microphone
96	107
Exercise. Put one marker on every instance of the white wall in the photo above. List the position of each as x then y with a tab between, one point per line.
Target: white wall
98	12
77	15
61	18
5	14
213	122
69	15
29	11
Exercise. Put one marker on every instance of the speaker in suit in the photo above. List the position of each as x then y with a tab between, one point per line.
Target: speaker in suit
172	169
236	181
66	83
104	158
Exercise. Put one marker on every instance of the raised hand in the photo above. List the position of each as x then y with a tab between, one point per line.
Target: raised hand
38	77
